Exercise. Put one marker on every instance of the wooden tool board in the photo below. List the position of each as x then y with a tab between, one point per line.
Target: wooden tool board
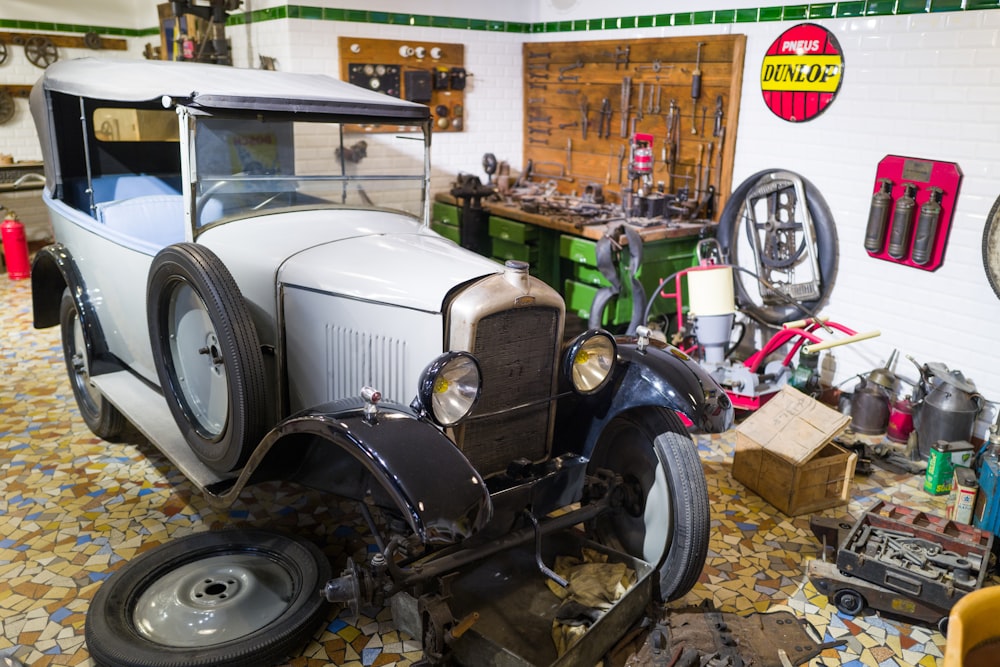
561	79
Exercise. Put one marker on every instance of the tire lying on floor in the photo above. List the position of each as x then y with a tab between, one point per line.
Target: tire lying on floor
240	598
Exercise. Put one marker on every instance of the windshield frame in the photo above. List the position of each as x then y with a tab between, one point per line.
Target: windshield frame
189	117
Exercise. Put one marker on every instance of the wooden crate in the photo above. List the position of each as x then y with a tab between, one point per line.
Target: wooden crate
784	454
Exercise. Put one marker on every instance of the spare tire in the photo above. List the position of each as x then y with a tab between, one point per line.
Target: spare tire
824	228
207	354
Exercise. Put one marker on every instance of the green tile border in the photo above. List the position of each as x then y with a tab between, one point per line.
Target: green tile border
770	13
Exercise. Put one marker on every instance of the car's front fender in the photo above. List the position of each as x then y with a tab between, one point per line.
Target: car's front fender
656	374
394	459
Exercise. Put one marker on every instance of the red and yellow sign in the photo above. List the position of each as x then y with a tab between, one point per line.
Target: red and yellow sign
802	72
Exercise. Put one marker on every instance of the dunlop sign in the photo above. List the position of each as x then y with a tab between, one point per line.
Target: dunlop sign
802	72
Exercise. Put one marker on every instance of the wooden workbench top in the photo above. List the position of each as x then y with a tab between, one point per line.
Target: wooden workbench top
576	225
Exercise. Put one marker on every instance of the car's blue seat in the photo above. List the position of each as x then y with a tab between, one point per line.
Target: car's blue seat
156	219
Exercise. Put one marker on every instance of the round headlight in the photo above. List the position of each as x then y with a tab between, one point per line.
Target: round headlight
450	386
590	360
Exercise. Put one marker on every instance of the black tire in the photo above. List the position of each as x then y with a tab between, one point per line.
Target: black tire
102	418
659	464
207	354
849	601
254	595
731	222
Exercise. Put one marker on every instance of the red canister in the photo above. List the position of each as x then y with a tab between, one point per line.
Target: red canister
900	420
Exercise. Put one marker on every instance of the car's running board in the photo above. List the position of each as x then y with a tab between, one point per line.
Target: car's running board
147	410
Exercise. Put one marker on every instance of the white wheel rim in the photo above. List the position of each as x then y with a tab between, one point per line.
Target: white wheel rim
200	372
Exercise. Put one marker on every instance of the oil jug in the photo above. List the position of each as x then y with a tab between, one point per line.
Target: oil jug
869	408
947	406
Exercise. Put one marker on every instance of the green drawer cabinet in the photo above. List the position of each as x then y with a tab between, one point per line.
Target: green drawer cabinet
512	230
569	263
504	250
445	214
450	232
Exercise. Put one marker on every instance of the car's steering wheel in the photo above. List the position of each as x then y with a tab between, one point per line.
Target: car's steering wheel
204	197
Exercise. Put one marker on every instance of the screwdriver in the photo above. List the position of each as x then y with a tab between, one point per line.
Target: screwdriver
696	90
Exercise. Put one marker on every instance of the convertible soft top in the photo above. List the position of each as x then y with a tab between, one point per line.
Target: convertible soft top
220	87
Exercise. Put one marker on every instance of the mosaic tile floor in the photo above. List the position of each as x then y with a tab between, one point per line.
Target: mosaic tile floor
73	508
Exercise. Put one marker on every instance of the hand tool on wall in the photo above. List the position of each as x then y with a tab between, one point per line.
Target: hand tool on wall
718	158
585	117
717	131
540	54
562	71
697	169
540	130
611	159
563	126
621	56
696	90
639	106
659	91
626	100
621	162
673	140
604	127
539	119
708	167
569	155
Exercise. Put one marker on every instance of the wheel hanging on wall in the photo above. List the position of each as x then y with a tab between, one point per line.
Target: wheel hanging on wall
777	225
40	51
991	247
233	598
6	106
93	41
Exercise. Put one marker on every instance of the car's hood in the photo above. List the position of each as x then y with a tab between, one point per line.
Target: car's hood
409	270
370	255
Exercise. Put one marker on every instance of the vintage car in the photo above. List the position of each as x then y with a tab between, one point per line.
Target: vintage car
243	269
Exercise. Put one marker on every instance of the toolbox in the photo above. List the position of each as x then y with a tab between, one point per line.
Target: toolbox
916	552
918	564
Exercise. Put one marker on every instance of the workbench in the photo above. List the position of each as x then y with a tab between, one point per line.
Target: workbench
562	250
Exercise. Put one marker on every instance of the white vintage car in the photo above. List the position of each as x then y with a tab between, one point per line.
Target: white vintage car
243	269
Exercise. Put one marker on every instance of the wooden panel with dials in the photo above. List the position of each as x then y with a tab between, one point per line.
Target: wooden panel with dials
431	73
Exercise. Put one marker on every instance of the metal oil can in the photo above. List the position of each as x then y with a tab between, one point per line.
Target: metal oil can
944	457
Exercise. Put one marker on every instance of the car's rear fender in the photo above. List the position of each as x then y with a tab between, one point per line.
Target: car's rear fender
393	460
52	271
658	375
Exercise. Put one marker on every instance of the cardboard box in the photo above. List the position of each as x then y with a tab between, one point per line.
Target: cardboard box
784	453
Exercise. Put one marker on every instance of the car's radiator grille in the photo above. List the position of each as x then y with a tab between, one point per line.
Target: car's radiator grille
516	350
359	358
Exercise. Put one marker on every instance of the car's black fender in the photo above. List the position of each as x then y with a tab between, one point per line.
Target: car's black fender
393	459
656	374
53	270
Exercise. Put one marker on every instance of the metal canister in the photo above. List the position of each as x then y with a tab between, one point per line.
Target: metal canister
944	458
902	222
900	420
878	216
927	224
962	498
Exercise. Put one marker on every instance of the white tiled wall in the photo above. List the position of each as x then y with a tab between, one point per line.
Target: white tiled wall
923	86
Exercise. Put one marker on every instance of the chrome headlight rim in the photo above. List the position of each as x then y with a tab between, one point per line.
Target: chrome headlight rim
429	386
586	343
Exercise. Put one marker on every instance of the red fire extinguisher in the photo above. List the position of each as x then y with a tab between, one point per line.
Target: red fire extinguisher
15	247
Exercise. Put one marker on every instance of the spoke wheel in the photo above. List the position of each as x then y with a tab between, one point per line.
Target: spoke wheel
239	597
664	516
101	417
783	246
40	51
991	247
207	355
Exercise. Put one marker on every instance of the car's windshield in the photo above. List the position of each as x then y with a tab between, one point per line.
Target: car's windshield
245	166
